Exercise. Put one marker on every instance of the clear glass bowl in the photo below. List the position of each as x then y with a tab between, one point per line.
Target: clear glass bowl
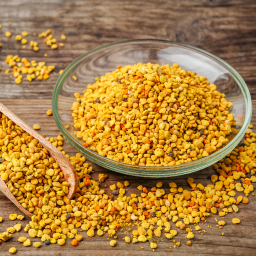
106	58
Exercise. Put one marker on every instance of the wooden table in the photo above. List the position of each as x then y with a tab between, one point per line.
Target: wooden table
225	28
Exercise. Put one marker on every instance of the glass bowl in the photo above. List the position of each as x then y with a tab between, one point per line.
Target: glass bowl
106	58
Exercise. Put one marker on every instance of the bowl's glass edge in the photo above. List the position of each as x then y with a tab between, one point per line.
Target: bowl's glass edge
131	169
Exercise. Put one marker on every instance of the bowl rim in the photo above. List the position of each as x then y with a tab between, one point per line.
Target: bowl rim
204	162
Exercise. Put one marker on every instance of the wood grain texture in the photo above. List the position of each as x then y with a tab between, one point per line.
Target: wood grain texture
225	28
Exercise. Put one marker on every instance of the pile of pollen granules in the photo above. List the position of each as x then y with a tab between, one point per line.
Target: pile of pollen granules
152	115
37	182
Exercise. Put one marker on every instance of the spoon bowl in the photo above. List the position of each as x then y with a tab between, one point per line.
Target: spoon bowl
65	165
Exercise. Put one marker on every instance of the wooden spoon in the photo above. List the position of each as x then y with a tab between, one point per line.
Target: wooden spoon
65	165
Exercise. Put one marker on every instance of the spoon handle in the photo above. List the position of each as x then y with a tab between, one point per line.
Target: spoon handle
5	190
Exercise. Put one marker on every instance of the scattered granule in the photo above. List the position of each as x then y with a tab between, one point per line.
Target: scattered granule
188	243
36	127
32	232
147	208
112	242
190	235
235	208
11	230
24	33
126	183
90	232
18	38
17	227
74	242
1	219
245	200
37	244
63	37
49	112
140	187
5	236
112	187
52	241
8	34
79	238
153	245
74	77
22	239
12	250
157	232
27	243
119	185
61	241
54	46
127	239
13	216
142	238
182	226
102	177
24	41
20	217
159	185
45	34
198	228
235	221
32	69
222	223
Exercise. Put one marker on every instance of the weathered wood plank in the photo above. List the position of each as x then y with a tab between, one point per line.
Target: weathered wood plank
225	28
